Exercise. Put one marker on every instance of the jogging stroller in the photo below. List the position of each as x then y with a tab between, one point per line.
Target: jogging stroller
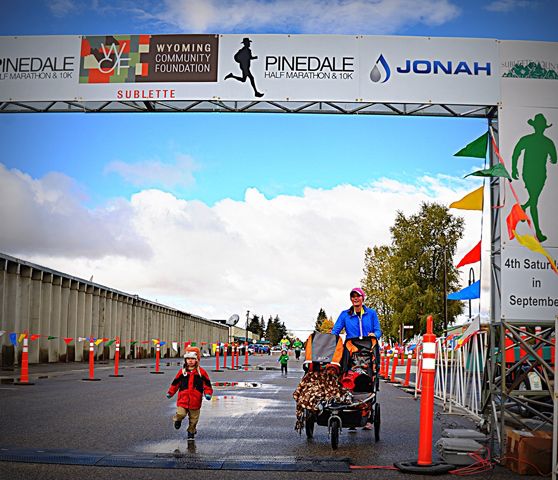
346	398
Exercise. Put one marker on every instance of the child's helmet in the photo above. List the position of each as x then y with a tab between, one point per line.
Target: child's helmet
191	354
194	350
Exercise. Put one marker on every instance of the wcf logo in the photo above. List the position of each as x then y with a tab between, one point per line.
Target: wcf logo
381	71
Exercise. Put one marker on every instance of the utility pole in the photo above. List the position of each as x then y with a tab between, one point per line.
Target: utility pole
247	316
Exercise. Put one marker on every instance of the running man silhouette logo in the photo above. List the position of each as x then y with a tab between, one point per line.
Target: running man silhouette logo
536	149
243	57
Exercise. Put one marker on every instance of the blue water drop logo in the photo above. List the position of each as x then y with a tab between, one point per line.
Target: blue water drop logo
380	71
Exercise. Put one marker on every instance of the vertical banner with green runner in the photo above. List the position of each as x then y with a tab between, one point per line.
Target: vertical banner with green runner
528	131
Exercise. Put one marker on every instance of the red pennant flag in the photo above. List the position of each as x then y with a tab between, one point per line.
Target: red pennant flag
473	256
516	215
145	341
34	337
68	340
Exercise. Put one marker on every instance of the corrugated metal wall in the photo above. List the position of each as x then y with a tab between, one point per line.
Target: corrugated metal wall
45	302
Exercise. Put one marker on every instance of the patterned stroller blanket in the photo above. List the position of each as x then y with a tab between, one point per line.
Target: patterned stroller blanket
315	390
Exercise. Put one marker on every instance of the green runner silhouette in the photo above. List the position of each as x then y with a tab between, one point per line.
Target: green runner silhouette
537	148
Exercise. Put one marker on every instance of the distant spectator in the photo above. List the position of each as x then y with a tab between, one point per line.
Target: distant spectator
283	360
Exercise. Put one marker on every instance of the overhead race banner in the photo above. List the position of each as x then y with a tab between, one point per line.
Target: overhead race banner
336	68
528	128
39	68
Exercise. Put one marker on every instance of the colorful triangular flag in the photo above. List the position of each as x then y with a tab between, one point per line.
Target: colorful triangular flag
50	337
471	201
472	257
468	293
34	337
534	245
13	339
476	149
473	328
517	214
67	340
497	170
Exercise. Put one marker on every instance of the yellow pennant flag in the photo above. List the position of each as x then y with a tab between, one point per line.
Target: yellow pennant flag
155	341
534	245
471	201
21	337
98	341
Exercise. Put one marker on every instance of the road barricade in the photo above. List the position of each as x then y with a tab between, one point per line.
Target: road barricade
91	377
24	375
424	463
116	358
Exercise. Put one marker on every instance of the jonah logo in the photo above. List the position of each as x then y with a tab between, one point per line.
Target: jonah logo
381	71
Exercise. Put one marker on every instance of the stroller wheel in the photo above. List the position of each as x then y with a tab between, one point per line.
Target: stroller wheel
335	427
377	422
309	424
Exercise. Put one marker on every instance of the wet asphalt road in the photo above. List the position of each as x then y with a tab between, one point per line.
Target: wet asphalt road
131	416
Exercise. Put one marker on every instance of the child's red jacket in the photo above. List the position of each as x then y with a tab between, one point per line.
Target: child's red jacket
191	387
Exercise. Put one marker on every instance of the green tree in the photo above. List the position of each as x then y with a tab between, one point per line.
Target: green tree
378	285
321	317
254	326
423	246
275	330
271	331
326	325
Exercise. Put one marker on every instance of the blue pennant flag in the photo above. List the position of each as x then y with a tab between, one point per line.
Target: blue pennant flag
162	343
13	339
468	293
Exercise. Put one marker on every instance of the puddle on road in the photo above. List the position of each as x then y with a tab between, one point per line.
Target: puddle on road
211	422
236	405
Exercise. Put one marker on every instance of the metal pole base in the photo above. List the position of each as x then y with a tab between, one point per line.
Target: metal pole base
215	370
91	379
158	373
112	375
437	468
23	383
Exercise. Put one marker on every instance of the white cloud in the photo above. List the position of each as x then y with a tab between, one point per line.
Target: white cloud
61	8
47	216
286	255
306	16
508	5
153	173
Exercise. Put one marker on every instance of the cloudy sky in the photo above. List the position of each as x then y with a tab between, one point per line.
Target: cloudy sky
218	214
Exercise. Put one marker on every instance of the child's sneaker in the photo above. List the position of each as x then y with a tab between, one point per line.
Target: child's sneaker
177	424
191	436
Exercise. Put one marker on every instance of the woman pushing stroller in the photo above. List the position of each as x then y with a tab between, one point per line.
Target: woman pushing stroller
358	321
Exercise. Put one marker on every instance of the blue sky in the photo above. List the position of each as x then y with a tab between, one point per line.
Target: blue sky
234	202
